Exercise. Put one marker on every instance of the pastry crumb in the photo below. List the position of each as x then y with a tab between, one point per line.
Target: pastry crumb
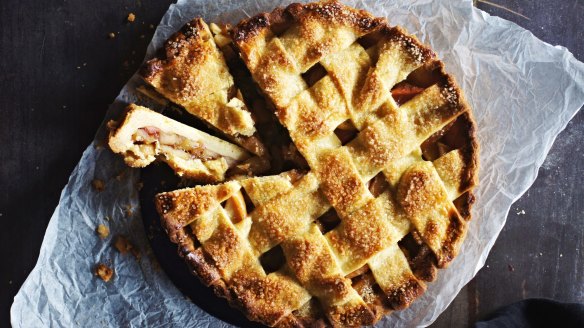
102	231
131	17
111	35
121	175
104	272
123	245
98	184
522	212
128	211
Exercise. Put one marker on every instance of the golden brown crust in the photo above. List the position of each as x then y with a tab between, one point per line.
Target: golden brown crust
323	65
193	74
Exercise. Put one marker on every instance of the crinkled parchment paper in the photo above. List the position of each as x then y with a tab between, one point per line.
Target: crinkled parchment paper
523	92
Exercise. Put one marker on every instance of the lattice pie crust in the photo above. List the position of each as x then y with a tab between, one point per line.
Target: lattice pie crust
382	195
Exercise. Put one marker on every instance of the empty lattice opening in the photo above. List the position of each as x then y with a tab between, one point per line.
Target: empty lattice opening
273	259
459	134
378	184
420	257
346	132
369	40
433	147
292	157
193	238
328	221
427	75
404	91
238	206
418	80
248	203
455	135
314	74
279	28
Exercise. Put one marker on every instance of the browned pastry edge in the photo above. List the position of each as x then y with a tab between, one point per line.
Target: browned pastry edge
332	10
187	31
424	264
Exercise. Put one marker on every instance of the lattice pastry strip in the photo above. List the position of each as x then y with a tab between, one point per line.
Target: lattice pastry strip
397	56
287	215
348	68
367	231
402	286
237	273
315	31
313	263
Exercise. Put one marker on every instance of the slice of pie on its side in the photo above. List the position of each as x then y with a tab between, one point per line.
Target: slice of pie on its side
143	136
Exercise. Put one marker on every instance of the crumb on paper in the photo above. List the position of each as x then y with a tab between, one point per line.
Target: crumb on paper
123	245
121	175
131	17
104	272
102	231
561	255
510	267
522	212
111	35
128	211
98	185
99	144
540	254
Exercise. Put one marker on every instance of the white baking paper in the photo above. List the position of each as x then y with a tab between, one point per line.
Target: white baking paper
523	92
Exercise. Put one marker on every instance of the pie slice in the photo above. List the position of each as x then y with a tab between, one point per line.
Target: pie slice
387	159
143	136
193	74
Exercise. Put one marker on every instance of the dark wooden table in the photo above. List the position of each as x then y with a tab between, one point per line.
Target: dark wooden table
59	70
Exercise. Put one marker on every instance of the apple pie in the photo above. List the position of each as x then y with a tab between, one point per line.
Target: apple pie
381	161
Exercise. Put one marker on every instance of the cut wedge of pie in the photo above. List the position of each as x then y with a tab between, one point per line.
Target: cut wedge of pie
194	75
143	136
379	193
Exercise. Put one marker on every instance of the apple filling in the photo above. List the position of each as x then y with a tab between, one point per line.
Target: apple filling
177	146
